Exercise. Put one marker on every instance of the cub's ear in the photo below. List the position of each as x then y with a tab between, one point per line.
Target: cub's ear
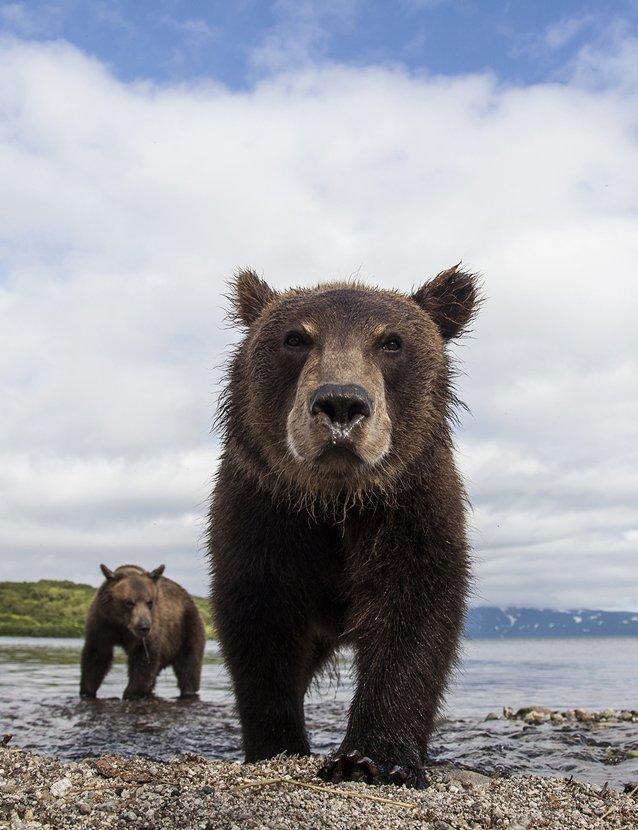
451	299
249	296
108	573
155	575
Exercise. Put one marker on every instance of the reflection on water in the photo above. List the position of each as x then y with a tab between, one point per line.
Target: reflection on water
39	706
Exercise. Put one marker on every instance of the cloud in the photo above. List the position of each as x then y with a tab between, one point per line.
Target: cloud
563	32
23	19
126	207
302	32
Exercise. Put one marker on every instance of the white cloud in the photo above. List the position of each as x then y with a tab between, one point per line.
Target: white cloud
126	206
564	31
302	32
28	21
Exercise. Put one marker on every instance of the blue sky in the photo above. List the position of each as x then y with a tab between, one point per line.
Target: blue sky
238	42
148	149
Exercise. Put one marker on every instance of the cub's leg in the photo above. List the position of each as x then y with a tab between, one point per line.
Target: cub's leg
408	613
95	662
142	673
188	663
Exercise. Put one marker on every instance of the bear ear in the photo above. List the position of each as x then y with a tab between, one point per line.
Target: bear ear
451	299
108	573
249	296
155	575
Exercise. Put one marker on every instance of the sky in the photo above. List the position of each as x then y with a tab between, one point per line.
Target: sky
149	149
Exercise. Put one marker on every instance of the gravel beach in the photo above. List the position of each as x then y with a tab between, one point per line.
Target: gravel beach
192	793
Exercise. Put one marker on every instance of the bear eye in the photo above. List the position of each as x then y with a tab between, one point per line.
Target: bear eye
150	603
392	344
129	603
294	340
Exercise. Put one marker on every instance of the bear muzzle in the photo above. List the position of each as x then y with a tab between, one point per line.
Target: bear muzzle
340	408
340	426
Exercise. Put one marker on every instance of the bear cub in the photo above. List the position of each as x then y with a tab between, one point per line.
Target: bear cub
338	515
157	624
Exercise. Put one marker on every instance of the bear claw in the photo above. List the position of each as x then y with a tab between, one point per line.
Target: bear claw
353	766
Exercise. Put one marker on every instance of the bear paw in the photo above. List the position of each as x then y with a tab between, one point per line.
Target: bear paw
353	766
134	694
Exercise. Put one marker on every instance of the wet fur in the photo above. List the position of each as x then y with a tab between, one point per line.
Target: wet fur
304	561
177	636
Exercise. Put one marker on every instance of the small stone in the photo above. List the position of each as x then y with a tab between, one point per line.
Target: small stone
84	808
492	716
60	788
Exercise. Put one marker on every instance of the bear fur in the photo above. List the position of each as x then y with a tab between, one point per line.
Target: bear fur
338	515
157	624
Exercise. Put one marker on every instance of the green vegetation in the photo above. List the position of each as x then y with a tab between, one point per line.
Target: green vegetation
52	608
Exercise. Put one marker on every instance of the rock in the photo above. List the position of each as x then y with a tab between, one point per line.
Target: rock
536	710
464	777
84	808
60	788
536	717
492	716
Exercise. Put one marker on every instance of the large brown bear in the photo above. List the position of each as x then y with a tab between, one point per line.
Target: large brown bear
338	515
157	624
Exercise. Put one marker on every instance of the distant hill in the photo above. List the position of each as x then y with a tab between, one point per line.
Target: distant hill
52	608
534	622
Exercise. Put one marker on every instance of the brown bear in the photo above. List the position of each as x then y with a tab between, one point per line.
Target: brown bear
338	515
157	624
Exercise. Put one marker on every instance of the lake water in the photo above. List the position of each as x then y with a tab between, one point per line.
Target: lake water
40	708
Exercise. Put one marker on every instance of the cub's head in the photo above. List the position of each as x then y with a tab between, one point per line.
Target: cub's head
336	389
129	594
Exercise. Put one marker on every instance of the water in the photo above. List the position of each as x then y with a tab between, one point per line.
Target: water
39	706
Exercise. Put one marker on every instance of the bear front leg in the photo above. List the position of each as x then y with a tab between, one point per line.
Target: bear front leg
407	619
95	662
143	668
264	650
188	663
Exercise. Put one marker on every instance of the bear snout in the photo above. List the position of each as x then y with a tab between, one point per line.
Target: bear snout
142	627
340	406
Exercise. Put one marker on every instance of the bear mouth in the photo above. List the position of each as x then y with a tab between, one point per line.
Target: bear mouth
340	454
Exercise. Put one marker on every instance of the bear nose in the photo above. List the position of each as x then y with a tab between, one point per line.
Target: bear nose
144	627
344	405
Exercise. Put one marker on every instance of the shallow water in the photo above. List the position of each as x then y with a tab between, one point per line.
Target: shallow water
39	706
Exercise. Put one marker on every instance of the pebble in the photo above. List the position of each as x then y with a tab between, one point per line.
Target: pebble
190	793
61	787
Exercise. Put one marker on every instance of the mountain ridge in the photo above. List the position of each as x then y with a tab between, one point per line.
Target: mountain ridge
57	608
505	622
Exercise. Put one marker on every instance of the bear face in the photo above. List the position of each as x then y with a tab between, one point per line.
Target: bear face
339	388
131	596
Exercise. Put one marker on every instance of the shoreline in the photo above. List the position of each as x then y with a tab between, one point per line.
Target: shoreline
38	792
